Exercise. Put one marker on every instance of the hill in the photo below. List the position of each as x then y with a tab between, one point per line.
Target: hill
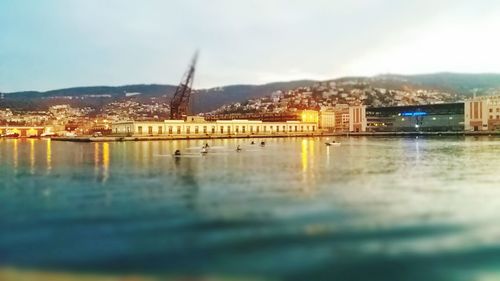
210	99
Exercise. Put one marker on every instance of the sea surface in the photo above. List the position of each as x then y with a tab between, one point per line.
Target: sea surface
371	209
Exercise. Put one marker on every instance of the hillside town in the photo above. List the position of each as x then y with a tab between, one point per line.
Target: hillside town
330	97
332	94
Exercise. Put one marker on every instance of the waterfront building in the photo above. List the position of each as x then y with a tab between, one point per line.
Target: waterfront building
327	119
482	113
342	118
194	125
357	118
23	131
310	116
415	118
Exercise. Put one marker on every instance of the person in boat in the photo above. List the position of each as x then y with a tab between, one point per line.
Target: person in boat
252	142
238	148
262	143
177	153
206	145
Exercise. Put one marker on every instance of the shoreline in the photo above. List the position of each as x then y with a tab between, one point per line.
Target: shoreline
324	134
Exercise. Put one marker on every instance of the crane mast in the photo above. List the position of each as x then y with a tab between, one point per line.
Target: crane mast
179	104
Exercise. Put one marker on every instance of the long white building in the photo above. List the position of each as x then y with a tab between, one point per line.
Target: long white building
198	126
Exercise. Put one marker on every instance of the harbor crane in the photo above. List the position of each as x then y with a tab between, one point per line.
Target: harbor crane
179	104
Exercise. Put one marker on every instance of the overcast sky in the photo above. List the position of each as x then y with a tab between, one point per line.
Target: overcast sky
63	43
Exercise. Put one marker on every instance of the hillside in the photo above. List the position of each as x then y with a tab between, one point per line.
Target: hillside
210	99
203	100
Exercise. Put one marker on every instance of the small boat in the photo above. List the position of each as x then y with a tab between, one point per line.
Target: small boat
48	134
332	143
204	150
10	135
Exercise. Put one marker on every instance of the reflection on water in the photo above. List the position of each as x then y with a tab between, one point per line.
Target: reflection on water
32	156
397	208
15	154
49	155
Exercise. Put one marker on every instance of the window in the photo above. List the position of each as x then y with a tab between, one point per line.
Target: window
222	130
251	129
213	129
204	129
170	129
296	128
284	128
228	129
139	130
258	129
277	128
491	110
264	129
243	129
160	130
237	130
150	130
196	130
179	130
301	128
188	129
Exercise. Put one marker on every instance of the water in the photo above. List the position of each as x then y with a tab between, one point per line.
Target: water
371	209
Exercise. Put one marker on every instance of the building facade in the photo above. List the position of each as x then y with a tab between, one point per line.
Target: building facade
201	127
425	118
482	113
22	131
343	118
357	118
327	119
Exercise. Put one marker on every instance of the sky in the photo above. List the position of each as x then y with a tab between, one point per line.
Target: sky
55	44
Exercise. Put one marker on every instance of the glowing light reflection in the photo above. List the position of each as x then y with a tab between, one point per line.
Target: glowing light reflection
32	156
96	159
49	155
304	155
105	161
14	155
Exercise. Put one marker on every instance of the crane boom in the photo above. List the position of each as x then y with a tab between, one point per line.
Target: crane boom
179	104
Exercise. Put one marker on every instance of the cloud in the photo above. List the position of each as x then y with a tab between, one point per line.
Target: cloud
74	42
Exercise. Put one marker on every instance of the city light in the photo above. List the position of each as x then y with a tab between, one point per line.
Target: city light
418	113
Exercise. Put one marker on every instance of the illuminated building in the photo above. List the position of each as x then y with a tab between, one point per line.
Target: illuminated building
22	131
327	119
416	118
310	116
